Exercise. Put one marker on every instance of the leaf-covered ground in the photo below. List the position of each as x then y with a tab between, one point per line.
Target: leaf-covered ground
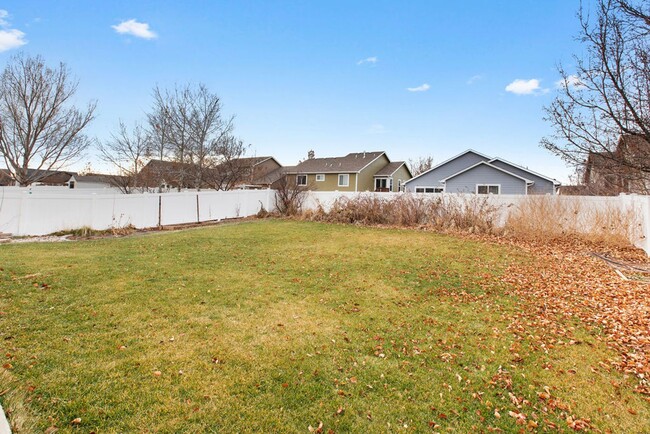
572	283
279	326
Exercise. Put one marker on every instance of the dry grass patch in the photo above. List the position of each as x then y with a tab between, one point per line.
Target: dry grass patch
549	217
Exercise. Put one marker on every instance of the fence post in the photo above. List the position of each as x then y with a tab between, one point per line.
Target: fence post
159	211
198	219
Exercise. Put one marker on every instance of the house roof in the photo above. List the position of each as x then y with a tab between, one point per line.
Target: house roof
40	175
254	161
99	178
447	161
272	176
391	168
528	181
525	169
352	163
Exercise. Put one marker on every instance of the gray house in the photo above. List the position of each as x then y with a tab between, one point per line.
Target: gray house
473	172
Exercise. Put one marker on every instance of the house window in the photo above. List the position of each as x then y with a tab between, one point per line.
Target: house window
301	179
488	188
320	177
344	180
429	189
399	185
381	184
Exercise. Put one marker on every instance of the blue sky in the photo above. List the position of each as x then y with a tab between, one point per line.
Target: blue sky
412	78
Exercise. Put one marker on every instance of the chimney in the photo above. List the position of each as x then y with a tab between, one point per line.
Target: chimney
311	154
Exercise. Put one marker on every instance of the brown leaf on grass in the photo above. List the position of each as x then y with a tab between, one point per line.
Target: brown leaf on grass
76	421
340	411
318	429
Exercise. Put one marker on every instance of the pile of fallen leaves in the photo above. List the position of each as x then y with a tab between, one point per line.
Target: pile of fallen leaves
565	281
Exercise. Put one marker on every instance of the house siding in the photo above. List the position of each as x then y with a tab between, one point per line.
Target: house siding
265	168
433	178
401	173
367	175
331	182
466	182
541	185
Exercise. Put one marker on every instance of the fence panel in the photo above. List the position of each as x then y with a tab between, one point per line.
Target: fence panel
44	210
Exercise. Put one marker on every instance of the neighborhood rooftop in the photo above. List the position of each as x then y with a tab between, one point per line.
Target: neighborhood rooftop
351	163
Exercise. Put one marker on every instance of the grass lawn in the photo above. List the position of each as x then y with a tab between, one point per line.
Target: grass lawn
276	326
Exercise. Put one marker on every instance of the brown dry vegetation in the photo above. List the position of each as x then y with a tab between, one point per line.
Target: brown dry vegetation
544	217
443	213
563	284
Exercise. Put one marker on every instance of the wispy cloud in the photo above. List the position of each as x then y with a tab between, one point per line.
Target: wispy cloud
422	88
569	81
9	38
370	60
474	78
135	28
526	87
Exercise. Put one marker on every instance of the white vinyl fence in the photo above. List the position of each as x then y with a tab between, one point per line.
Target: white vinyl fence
44	210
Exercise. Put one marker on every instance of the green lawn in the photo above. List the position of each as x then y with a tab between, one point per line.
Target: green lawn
275	326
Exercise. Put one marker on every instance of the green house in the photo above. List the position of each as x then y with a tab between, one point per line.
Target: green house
359	171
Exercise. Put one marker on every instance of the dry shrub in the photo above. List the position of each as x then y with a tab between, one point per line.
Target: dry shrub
441	212
552	217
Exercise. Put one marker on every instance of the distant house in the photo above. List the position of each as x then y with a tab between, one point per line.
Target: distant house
248	172
253	172
166	174
360	171
473	172
605	174
95	180
42	177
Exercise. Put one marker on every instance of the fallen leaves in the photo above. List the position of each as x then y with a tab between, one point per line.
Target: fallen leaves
566	282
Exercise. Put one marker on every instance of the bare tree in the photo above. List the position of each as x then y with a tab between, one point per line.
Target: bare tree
189	126
39	127
128	151
607	97
228	168
420	164
289	196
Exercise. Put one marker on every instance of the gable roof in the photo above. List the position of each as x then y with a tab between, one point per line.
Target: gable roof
528	181
525	169
40	175
254	161
351	163
272	176
391	168
447	161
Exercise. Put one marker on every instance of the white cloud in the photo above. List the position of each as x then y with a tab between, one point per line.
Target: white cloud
9	38
569	81
135	28
473	79
526	87
422	88
372	60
